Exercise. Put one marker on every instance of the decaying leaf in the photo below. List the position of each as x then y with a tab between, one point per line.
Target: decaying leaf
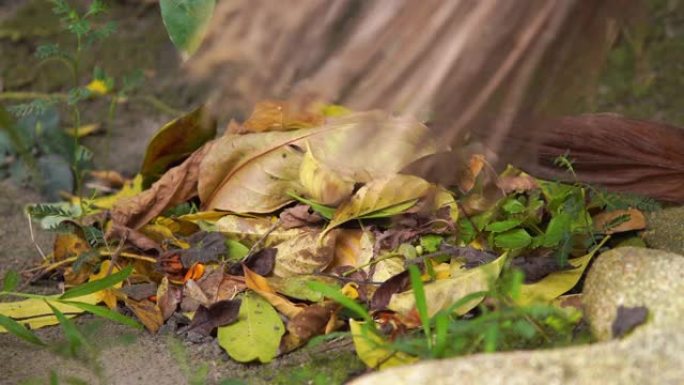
205	247
467	180
382	198
369	348
442	293
306	253
218	286
140	291
176	186
147	312
396	284
168	298
618	221
175	141
299	216
218	314
256	334
310	322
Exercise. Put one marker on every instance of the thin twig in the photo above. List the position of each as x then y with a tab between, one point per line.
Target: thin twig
257	245
33	239
115	255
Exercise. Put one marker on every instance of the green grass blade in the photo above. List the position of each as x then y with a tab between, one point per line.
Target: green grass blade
100	284
19	330
325	211
104	312
333	293
11	280
72	334
421	302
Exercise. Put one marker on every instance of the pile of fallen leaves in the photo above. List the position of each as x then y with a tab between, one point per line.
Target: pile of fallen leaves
234	237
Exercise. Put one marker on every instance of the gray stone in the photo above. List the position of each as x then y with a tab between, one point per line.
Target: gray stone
665	229
652	354
651	358
629	277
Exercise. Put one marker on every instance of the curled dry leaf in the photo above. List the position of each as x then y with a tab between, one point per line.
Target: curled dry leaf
299	216
519	183
322	184
467	180
381	198
279	115
396	284
147	312
305	253
310	322
168	298
176	186
175	141
221	313
619	221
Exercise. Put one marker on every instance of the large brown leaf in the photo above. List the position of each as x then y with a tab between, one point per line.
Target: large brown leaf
176	186
254	172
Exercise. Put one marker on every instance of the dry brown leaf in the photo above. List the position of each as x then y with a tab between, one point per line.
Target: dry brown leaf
249	230
305	254
176	186
352	248
310	322
518	183
604	222
168	298
147	312
277	115
467	180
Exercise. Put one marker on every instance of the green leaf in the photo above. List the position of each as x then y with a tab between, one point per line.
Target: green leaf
512	239
19	330
10	281
513	206
186	22
326	212
256	334
72	334
431	242
381	198
104	312
100	284
334	293
558	228
236	250
174	142
501	226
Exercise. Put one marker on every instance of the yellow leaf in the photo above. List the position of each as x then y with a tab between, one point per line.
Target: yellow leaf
352	248
249	230
107	296
441	294
35	312
557	283
260	285
83	130
322	184
368	347
130	188
381	198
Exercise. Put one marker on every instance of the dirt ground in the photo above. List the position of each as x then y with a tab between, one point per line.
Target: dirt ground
142	43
